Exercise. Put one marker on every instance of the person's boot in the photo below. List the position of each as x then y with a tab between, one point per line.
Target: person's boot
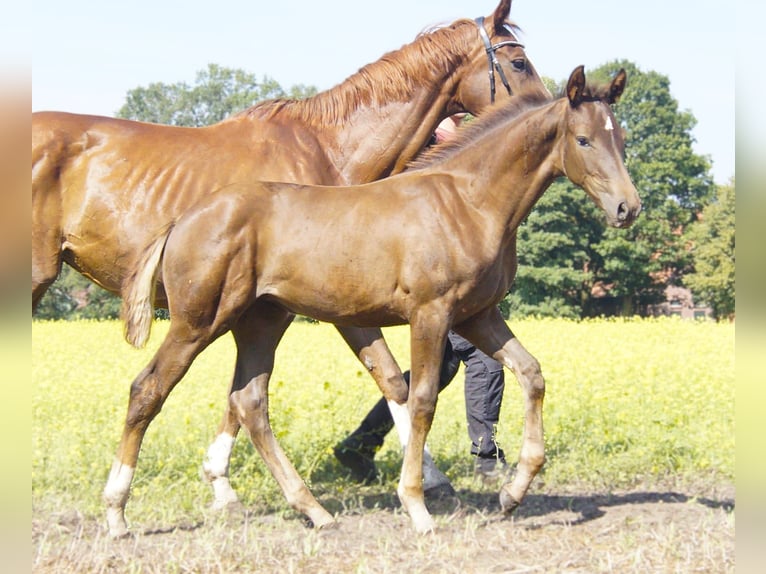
358	458
491	469
357	451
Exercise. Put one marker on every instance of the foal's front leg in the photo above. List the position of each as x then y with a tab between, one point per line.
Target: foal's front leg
372	351
490	333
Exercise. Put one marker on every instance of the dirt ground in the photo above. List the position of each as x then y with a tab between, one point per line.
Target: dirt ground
642	530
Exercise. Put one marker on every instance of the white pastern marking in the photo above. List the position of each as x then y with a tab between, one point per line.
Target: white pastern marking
118	484
401	417
217	458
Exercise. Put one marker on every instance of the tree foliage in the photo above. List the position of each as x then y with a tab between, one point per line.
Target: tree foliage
218	92
712	240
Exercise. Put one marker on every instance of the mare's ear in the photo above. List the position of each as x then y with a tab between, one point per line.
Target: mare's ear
617	86
501	14
576	86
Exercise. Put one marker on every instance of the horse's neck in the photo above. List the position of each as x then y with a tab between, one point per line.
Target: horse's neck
375	122
379	142
518	164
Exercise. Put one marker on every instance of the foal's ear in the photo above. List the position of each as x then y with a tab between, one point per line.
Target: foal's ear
501	14
576	86
617	86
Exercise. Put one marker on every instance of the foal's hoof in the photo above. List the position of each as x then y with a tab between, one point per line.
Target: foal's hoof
508	502
233	508
323	526
120	535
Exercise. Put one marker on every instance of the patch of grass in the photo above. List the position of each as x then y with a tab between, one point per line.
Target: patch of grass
628	402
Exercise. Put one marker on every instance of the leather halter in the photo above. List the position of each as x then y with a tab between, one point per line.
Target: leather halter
492	58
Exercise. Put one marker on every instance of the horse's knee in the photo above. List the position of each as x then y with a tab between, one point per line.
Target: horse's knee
422	402
250	407
145	401
397	389
531	377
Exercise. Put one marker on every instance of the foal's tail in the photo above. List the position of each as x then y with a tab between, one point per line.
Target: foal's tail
139	289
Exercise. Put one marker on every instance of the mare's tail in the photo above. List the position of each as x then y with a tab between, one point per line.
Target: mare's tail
139	289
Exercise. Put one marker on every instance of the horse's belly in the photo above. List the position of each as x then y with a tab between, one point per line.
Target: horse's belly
336	304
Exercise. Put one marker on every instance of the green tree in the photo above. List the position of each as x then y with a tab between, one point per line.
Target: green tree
217	93
565	248
674	183
712	250
553	277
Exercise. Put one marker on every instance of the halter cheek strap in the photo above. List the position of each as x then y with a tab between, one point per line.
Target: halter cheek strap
492	61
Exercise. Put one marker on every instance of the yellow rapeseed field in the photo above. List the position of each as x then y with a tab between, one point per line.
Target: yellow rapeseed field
627	401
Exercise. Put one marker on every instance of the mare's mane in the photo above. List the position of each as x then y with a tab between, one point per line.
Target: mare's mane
391	78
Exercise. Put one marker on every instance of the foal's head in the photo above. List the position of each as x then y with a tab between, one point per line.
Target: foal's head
593	148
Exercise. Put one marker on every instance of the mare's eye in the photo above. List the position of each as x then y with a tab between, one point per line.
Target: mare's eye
583	141
519	64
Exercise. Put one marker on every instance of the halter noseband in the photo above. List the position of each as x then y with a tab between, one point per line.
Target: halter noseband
492	58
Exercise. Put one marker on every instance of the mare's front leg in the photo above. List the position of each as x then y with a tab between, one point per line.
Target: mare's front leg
147	395
257	335
373	352
428	335
490	333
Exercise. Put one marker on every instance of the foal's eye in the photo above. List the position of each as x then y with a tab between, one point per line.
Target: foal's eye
519	64
583	141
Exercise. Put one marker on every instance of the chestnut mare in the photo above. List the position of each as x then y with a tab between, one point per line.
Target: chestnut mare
103	188
434	247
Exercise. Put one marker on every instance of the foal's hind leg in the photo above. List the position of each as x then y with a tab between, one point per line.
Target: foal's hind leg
147	395
257	336
491	334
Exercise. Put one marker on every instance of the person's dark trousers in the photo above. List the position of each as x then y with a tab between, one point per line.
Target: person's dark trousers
484	385
378	423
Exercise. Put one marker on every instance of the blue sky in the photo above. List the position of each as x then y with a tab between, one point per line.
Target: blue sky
85	56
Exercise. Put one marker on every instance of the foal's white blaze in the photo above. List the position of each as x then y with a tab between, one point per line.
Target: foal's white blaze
608	126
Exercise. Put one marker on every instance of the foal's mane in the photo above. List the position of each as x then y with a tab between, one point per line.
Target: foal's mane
499	116
391	78
495	117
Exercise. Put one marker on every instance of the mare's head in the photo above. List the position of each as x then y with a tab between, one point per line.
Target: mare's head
497	66
593	148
